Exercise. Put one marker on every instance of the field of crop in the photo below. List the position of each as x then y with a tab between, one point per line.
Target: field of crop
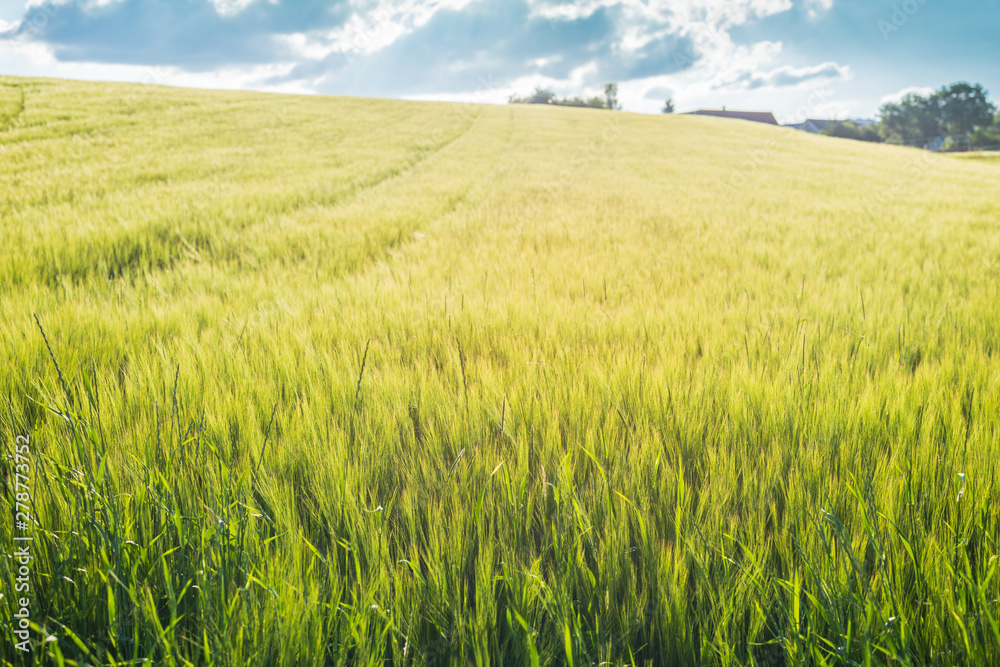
986	156
332	381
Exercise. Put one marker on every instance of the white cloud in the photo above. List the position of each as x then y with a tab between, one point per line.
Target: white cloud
792	76
818	8
715	15
230	7
709	21
571	11
912	90
368	31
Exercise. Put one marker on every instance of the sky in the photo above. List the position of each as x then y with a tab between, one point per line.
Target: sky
798	58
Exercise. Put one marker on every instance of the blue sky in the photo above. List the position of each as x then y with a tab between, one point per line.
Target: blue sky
798	58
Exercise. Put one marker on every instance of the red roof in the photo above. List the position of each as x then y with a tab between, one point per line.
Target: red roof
754	116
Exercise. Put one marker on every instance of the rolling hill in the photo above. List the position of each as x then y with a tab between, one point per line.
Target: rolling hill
314	380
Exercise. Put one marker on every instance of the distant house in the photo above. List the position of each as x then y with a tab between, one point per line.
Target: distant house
817	125
754	116
935	144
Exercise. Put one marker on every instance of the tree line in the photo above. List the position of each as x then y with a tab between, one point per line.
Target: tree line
957	110
959	115
955	116
952	117
546	96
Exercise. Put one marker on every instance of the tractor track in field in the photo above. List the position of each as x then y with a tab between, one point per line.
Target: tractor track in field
408	236
404	236
357	189
396	242
351	193
363	186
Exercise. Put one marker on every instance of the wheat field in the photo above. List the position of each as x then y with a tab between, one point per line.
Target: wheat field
336	381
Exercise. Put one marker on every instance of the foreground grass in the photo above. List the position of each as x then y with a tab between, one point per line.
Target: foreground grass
368	382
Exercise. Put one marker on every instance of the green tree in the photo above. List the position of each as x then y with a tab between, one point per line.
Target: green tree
591	103
611	97
915	117
668	106
540	96
985	137
848	130
546	96
962	108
